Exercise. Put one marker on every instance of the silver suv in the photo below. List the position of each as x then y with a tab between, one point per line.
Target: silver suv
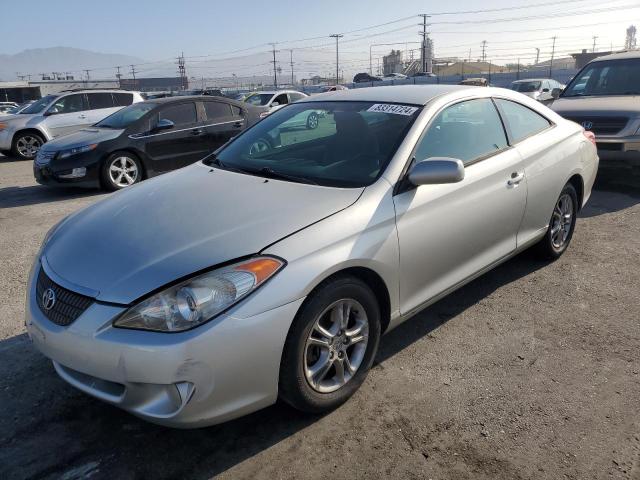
604	97
22	134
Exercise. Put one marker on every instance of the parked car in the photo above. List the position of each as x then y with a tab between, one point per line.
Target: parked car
274	99
395	76
58	114
476	82
540	89
22	106
6	109
207	293
365	77
143	140
332	88
604	97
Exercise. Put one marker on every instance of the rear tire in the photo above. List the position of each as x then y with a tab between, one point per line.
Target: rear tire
561	225
331	345
312	121
26	145
121	170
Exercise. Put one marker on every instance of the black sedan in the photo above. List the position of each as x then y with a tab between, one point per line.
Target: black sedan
143	140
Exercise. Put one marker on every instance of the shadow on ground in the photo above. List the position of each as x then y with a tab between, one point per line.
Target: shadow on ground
38	194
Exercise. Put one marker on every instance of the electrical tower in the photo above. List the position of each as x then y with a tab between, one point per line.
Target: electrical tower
337	36
484	51
133	75
426	57
182	72
119	76
291	63
275	72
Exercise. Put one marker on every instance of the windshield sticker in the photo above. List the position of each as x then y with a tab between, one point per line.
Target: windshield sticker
390	108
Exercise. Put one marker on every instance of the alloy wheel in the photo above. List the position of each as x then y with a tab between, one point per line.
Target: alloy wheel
123	172
336	345
28	145
562	221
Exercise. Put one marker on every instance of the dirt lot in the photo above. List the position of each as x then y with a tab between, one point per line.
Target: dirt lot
530	372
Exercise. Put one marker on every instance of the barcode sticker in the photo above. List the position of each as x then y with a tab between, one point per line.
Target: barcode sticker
391	108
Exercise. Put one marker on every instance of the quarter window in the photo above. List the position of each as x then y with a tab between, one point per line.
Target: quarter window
467	131
281	99
122	99
216	110
182	114
522	122
100	100
237	111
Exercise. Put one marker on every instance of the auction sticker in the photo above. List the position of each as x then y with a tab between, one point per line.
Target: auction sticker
391	108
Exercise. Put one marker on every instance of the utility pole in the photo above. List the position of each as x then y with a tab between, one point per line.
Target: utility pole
182	71
133	74
275	73
291	63
425	39
484	53
537	55
119	76
594	43
87	74
337	36
553	51
518	70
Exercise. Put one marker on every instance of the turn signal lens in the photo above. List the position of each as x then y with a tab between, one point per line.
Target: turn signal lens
261	268
590	136
3	126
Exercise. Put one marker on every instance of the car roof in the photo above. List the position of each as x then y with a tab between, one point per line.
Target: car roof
618	56
273	92
411	94
200	98
531	80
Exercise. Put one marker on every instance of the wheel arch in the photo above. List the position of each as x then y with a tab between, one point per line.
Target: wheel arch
31	130
577	182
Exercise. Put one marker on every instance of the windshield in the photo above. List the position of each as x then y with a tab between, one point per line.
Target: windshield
40	105
613	77
338	144
525	87
126	116
259	99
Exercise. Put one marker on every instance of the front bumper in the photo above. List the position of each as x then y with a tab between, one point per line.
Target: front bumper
624	149
59	172
6	137
222	370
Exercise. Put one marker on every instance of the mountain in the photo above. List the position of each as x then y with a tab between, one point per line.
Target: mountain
61	59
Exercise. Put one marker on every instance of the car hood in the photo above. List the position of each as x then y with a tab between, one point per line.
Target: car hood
19	119
86	136
611	105
163	229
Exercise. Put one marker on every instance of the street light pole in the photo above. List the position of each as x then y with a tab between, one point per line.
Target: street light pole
337	36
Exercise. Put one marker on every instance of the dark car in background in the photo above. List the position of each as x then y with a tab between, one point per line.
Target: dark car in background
143	140
365	77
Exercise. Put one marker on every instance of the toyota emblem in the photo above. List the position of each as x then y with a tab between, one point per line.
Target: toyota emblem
587	125
48	299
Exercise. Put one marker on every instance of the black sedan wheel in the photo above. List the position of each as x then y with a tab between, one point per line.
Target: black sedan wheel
121	170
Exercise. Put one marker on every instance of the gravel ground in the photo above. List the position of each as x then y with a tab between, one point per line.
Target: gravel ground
530	372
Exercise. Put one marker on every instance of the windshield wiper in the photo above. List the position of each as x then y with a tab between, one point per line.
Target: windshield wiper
213	160
270	172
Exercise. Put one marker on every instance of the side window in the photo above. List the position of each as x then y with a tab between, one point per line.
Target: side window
216	110
522	122
182	114
467	131
69	104
122	99
100	100
282	99
294	97
237	111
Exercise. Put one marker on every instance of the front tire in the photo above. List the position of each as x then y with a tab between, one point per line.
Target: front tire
331	345
561	225
26	145
121	170
312	121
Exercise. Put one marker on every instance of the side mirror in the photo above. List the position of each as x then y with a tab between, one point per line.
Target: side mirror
436	170
51	111
275	104
164	124
555	93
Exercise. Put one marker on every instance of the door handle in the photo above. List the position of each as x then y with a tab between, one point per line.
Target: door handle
516	178
197	131
238	124
82	116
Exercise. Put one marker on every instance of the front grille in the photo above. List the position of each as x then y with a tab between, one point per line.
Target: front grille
44	157
68	305
602	125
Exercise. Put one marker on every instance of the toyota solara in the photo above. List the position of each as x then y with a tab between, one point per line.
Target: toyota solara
271	268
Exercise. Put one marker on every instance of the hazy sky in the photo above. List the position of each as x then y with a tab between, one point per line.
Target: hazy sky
220	37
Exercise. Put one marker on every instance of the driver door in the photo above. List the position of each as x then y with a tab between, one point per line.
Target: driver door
449	232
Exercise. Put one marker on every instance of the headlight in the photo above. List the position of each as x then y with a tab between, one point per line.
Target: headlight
199	299
77	150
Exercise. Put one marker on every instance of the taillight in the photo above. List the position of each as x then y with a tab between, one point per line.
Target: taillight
590	136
